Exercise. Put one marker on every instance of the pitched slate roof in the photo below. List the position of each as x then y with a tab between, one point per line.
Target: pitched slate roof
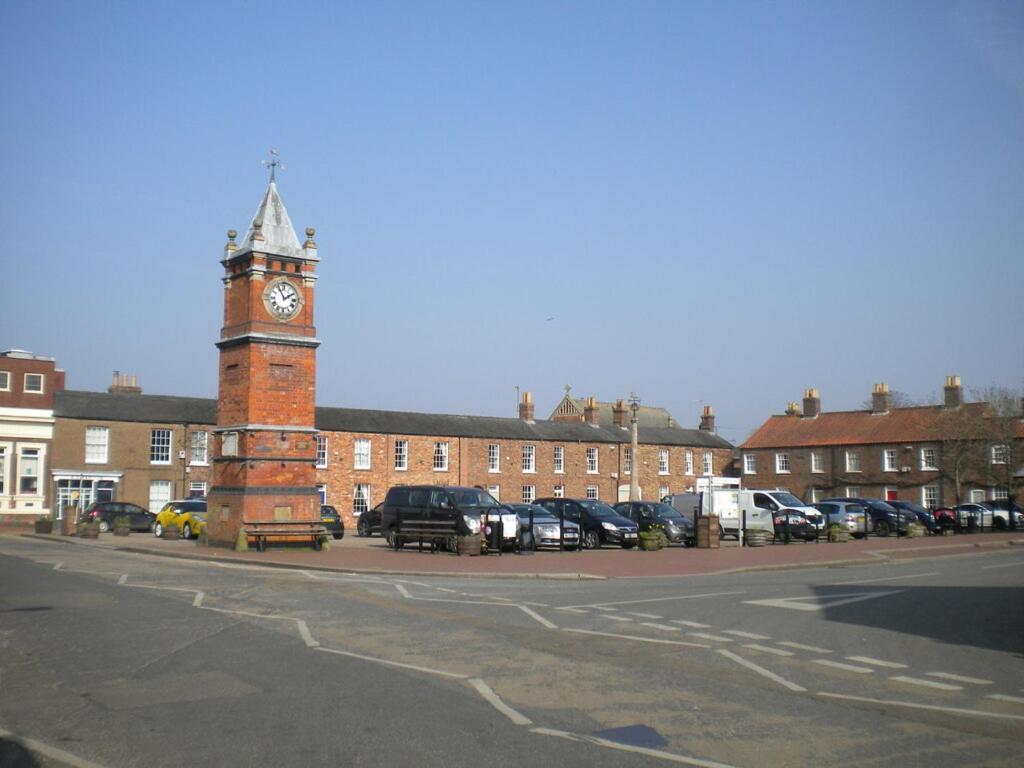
164	409
907	425
278	234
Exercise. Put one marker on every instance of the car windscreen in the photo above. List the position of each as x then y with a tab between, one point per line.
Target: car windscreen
787	499
597	509
193	506
472	497
666	510
880	506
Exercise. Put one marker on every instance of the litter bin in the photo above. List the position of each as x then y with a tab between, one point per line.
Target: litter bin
707	532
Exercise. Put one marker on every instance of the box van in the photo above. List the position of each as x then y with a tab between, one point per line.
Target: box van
761	506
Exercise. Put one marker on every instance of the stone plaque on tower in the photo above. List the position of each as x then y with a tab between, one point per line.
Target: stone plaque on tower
264	451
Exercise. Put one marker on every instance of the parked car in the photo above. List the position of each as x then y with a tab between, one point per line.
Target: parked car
105	512
850	516
452	510
332	521
884	519
600	523
646	514
945	518
545	527
188	515
973	516
924	517
369	522
1001	511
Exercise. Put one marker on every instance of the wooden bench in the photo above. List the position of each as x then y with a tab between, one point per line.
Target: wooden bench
261	530
432	532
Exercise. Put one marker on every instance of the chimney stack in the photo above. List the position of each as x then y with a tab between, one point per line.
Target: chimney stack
812	403
881	399
120	384
954	393
619	412
526	407
707	419
792	409
591	415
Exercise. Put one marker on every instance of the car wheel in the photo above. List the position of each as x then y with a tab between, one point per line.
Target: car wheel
362	528
391	539
882	528
104	526
999	523
186	531
591	540
157	529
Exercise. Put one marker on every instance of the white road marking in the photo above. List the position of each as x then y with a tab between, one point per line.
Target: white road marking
537	605
802	647
58	566
389	663
694	624
634	637
748	635
402	591
1004	697
707	636
307	637
656	753
1002	565
887	578
445	589
959	678
604	606
492	698
51	752
877	662
572	610
601	608
197	602
540	619
932	707
645	615
821	602
926	683
123	579
844	667
768	649
665	627
762	671
613	617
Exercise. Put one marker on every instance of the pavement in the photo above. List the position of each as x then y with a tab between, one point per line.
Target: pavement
370	555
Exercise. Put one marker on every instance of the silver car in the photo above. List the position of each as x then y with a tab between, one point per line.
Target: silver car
848	515
545	526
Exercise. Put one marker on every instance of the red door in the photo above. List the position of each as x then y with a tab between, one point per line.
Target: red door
891	494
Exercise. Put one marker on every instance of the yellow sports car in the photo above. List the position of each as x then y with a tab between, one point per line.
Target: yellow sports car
187	515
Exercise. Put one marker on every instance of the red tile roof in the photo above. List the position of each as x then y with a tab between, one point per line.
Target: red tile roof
899	425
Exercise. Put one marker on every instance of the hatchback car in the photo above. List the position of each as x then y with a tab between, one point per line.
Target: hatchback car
848	515
646	514
332	521
884	518
1001	511
187	515
106	512
600	523
545	527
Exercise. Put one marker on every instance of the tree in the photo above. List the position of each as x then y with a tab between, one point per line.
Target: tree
1005	436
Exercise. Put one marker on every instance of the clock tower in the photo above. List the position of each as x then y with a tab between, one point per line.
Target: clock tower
265	440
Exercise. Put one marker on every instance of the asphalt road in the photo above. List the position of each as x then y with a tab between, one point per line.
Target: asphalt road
131	660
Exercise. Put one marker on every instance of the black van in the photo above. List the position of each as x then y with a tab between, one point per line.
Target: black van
450	510
599	523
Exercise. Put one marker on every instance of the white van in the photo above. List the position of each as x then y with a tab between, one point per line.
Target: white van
760	506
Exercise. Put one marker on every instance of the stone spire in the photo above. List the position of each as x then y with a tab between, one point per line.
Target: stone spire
271	223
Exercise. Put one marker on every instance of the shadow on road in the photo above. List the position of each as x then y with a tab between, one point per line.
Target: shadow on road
14	755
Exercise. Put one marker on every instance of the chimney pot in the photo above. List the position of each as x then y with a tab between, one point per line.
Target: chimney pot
812	403
526	407
707	419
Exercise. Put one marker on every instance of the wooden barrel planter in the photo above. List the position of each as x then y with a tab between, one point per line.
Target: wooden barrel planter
44	525
756	538
650	542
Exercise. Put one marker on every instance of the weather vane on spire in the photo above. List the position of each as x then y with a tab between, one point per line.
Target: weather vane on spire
273	163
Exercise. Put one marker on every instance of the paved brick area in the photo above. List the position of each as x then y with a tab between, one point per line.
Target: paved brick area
371	555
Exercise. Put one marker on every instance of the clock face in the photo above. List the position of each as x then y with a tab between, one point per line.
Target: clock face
282	299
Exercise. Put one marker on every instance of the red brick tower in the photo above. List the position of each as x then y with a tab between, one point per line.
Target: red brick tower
265	450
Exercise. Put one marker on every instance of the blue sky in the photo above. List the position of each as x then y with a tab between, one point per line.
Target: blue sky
716	202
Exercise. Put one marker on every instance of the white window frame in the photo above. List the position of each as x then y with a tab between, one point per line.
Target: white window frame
494	457
709	463
815	496
558	492
529	458
930	496
593	492
559	460
201	457
401	455
321	489
852	460
4	454
782	464
27	455
688	461
1000	454
893	464
749	463
441	456
362	453
529	494
366	490
627	460
97	445
5	381
998	493
322	444
42	384
817	462
593	460
663	458
197	485
930	459
495	491
663	491
157	447
157	500
853	491
976	495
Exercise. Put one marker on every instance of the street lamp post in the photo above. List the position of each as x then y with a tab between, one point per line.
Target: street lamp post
634	469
